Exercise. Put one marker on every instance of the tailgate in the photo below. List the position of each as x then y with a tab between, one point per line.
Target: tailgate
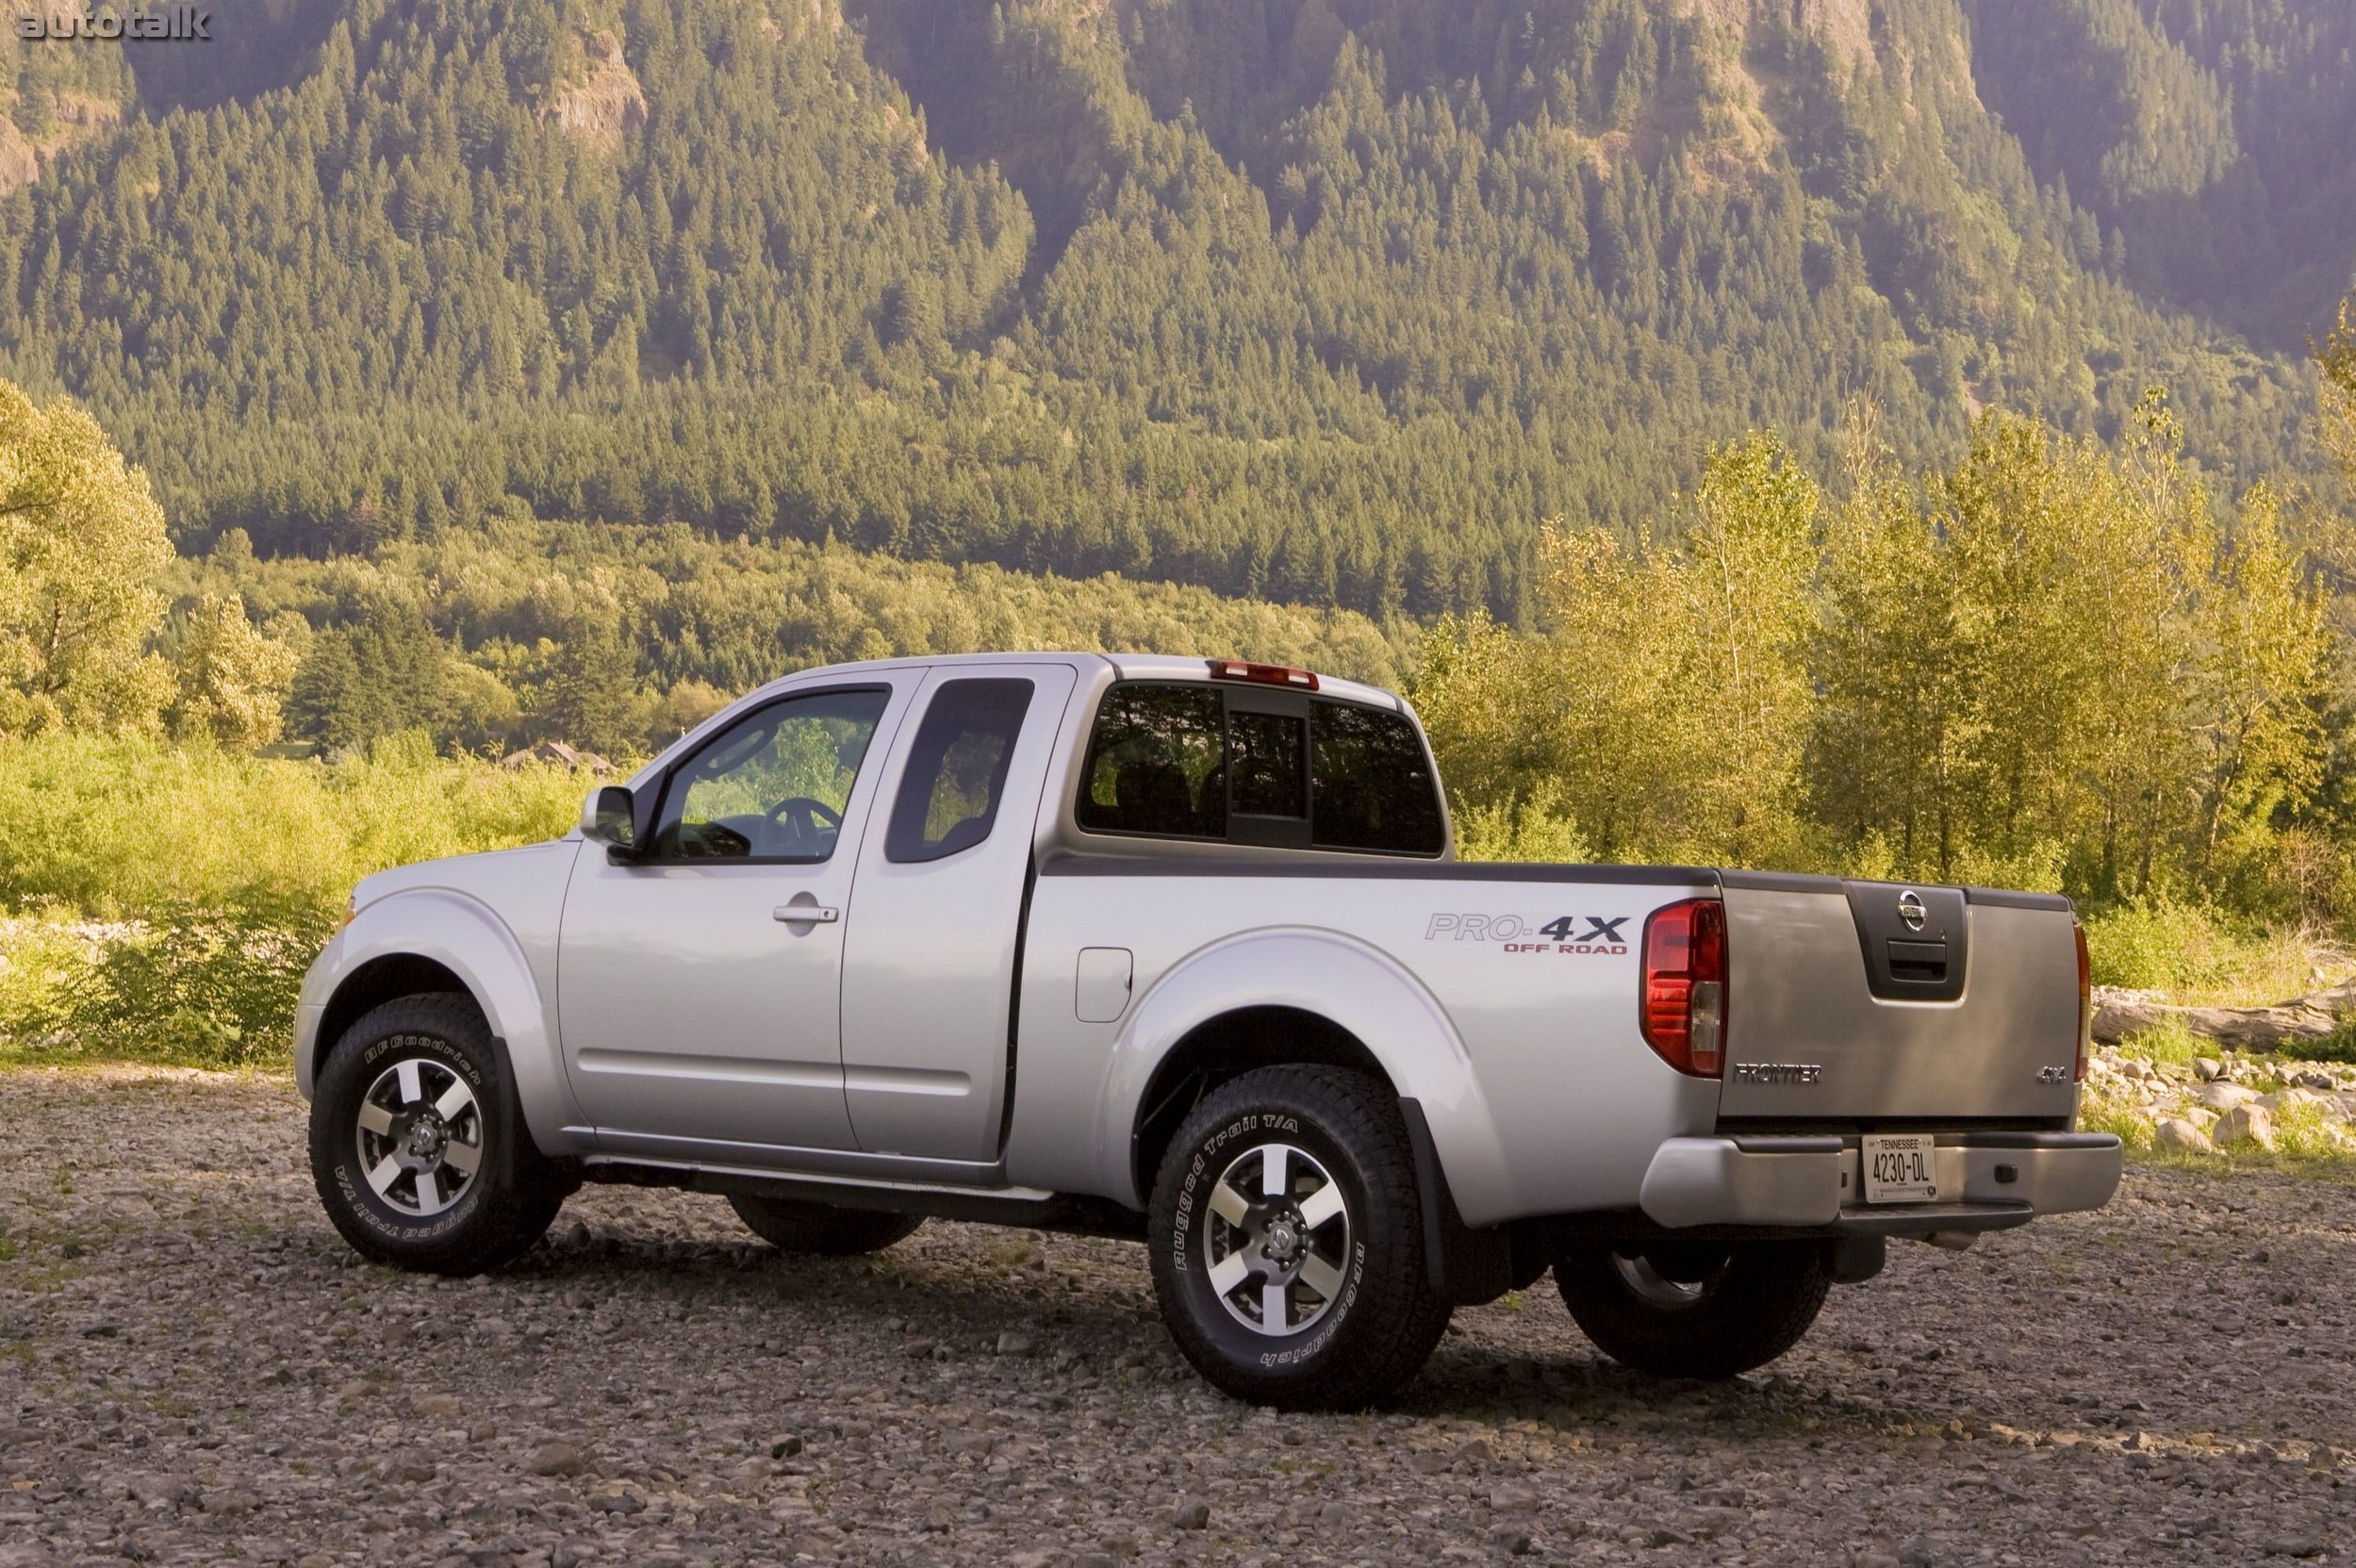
1868	1001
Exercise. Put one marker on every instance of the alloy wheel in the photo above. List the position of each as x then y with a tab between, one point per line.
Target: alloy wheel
421	1135
1278	1244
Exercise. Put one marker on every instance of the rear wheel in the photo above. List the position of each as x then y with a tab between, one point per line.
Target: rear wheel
1287	1243
1696	1309
791	1225
417	1145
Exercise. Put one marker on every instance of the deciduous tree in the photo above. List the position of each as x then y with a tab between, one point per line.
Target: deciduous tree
81	541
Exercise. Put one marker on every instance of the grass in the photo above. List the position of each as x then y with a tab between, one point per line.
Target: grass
2338	1046
2170	1042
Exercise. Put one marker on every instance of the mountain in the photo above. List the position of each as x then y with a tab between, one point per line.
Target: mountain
1331	300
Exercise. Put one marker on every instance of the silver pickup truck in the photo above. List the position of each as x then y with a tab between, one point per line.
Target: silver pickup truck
1178	950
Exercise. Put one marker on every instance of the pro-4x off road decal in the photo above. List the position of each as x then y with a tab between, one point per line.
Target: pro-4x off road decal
1563	933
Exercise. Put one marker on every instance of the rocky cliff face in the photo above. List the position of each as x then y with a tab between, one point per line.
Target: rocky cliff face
55	97
607	101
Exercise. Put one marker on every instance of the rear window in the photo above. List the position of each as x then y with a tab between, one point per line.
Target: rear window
1251	767
1265	767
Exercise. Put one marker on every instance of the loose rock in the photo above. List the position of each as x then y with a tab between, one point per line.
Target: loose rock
2177	1134
556	1459
2245	1124
729	1404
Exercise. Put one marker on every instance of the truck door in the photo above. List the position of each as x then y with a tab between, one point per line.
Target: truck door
697	985
929	968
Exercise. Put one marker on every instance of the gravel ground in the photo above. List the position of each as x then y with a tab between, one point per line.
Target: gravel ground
193	1368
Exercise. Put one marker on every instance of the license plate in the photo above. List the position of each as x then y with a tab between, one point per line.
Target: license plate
1899	1167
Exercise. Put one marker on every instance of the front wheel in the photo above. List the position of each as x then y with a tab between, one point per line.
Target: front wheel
417	1145
1287	1243
1696	1309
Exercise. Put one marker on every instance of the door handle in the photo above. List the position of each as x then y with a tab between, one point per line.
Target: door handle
806	914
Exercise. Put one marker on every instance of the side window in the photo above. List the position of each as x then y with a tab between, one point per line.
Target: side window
773	785
1370	783
1156	763
956	775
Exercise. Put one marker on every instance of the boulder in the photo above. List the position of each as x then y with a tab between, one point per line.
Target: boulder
2246	1124
2221	1097
2177	1134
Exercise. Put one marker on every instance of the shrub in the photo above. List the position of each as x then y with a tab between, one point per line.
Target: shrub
223	874
1535	829
2156	944
211	986
114	827
2339	1046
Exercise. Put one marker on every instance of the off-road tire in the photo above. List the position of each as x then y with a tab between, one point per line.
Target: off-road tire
1378	1325
1749	1307
791	1225
507	1201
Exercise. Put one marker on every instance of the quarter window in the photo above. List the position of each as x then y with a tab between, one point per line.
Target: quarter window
774	784
956	775
1157	764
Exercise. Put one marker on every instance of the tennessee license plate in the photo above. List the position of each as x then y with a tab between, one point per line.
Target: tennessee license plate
1899	1167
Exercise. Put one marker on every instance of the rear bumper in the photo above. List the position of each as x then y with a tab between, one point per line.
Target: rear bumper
1998	1179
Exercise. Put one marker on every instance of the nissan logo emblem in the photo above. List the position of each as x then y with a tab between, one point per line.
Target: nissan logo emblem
1911	911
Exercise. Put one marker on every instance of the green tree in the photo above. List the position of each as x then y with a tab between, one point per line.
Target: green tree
1664	711
381	671
81	542
2335	356
230	680
2262	682
590	697
1895	721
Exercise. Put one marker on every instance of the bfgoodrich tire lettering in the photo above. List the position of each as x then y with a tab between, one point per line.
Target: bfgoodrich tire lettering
1690	1310
417	1145
1287	1243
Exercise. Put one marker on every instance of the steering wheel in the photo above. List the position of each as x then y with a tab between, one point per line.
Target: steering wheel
805	819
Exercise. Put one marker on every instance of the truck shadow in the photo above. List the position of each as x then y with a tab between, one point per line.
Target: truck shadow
957	1294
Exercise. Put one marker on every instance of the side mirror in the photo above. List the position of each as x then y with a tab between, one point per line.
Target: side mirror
609	816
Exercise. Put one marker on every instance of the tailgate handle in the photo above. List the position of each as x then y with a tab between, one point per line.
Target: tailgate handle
1918	963
1916	941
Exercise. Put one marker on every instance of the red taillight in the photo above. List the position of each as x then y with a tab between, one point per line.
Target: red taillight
1262	674
1684	1013
2085	1005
